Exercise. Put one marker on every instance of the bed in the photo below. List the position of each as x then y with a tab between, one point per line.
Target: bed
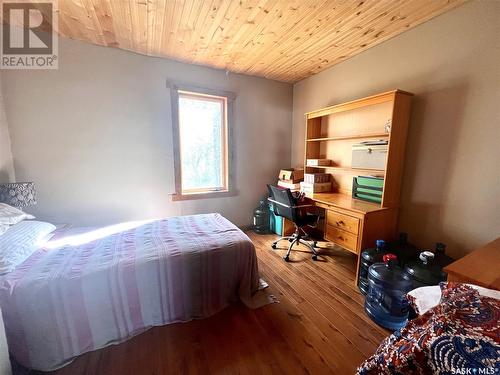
457	331
88	288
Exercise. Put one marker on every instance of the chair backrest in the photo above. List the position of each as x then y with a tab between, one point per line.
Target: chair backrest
285	202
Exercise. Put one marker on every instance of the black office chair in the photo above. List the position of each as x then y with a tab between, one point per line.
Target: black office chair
285	205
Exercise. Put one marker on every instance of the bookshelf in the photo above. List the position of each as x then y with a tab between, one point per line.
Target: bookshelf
330	134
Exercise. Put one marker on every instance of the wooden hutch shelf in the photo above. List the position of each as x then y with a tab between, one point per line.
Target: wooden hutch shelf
355	136
374	172
330	134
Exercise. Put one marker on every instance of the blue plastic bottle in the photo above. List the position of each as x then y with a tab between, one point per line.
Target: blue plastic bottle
386	301
369	257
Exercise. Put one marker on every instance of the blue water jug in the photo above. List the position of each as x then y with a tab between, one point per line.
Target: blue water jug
369	257
386	301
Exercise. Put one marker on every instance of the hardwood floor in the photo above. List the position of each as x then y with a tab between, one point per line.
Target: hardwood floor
319	327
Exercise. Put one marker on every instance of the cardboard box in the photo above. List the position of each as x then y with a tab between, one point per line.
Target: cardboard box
321	187
316	177
289	185
292	175
317	162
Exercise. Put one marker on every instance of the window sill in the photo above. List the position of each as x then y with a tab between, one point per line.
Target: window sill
193	196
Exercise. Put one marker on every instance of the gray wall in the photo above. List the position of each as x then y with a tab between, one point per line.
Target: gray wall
6	163
95	135
451	181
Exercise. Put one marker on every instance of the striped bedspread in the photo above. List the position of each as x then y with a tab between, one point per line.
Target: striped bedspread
90	288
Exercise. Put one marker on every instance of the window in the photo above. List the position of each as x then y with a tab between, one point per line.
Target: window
201	136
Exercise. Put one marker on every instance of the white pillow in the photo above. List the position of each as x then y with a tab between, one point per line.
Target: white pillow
10	215
427	297
20	241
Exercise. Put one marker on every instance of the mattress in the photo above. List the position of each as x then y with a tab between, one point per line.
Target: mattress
89	288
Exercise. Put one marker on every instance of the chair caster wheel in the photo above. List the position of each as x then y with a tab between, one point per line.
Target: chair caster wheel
314	257
287	259
273	246
315	244
290	240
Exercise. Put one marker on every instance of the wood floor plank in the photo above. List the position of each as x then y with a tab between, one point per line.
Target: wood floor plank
342	319
328	325
318	327
345	295
349	293
322	290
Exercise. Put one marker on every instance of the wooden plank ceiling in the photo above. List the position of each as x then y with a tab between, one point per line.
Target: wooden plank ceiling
285	40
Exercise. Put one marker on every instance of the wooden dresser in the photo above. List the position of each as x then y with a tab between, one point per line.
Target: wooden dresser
330	134
481	267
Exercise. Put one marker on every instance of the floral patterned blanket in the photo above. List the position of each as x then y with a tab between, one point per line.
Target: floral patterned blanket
461	335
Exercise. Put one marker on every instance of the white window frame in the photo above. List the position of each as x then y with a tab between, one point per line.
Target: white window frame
188	90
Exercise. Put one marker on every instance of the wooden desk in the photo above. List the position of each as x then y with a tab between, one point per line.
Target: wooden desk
355	225
481	267
331	133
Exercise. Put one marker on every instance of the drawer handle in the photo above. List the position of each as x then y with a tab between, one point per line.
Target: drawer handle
340	238
340	222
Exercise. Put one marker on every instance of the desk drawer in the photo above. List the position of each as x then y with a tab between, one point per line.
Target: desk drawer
342	238
341	221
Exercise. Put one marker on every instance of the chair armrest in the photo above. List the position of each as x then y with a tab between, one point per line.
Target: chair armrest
285	205
276	202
